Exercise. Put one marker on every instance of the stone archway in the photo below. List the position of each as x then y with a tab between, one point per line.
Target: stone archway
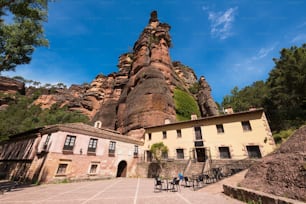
121	170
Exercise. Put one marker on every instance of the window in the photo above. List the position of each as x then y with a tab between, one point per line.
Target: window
253	151
47	142
164	135
112	148
61	169
179	153
198	143
92	146
150	136
246	126
69	142
224	153
164	155
136	151
198	133
93	168
220	128
47	139
179	133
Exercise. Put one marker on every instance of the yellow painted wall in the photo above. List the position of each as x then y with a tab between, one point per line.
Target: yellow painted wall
233	137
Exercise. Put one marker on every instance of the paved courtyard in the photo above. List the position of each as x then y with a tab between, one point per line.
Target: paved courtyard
120	190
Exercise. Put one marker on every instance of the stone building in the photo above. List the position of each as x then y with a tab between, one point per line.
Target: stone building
226	137
68	151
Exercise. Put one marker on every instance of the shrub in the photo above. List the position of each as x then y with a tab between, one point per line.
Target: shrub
185	105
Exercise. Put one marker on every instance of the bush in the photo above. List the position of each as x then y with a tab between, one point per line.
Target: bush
185	105
283	135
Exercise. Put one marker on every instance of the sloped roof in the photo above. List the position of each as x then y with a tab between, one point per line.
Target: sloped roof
81	128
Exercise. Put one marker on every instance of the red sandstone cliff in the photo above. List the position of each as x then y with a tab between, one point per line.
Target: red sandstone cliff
140	94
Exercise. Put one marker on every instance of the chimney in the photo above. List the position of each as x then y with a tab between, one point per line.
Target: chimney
98	124
194	117
228	110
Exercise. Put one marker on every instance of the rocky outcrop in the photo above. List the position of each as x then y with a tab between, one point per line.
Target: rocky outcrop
208	107
11	86
140	94
283	172
147	99
185	73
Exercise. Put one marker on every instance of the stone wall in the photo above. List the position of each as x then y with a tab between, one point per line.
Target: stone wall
165	169
251	196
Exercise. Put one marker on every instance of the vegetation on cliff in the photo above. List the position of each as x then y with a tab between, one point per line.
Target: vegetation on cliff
21	115
185	105
283	95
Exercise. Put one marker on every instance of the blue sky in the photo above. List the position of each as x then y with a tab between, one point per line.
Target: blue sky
230	42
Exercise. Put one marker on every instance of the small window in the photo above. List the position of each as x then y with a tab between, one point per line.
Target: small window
61	169
112	148
220	128
246	126
253	151
198	133
164	135
93	168
47	142
69	142
180	153
224	153
47	139
92	146
179	133
136	151
164	155
150	136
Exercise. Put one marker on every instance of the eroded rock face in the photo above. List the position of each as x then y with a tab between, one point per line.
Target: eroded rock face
11	86
140	94
8	87
283	172
208	107
147	98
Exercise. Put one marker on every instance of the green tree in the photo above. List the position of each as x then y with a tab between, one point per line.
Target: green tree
158	149
18	38
287	88
250	96
21	115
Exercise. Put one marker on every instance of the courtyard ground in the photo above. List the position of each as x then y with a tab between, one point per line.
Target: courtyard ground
119	191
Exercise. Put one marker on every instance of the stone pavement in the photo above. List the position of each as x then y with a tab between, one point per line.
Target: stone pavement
119	190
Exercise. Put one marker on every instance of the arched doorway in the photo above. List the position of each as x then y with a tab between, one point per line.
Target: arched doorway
121	171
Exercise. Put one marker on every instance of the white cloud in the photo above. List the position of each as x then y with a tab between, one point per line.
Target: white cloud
263	52
299	38
221	22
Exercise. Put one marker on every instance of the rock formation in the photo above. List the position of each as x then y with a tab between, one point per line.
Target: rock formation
147	99
140	94
207	105
9	87
283	172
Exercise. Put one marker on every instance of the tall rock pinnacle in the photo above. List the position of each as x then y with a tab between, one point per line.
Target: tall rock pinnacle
147	99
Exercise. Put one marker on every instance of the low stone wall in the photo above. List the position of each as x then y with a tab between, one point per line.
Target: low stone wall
165	169
256	197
